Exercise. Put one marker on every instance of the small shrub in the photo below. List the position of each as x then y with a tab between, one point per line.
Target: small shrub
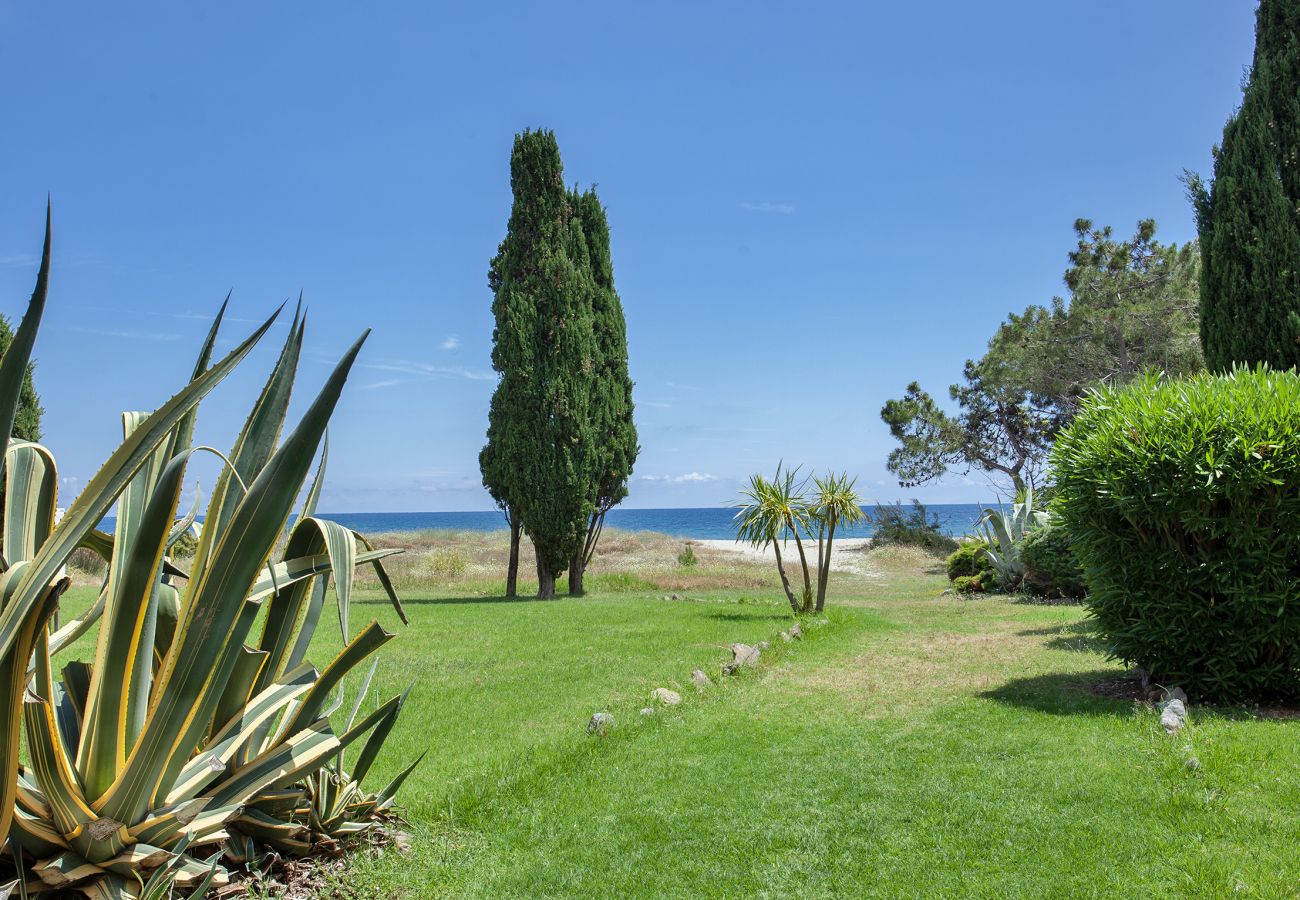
969	559
1182	499
1051	568
185	546
687	558
892	524
970	584
87	562
447	564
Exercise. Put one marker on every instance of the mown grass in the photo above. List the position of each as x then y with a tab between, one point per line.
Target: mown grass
917	745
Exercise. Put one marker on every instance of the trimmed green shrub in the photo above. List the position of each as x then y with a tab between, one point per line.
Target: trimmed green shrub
1051	569
1182	499
969	559
892	524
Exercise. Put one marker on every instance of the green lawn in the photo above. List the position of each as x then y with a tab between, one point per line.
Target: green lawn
917	745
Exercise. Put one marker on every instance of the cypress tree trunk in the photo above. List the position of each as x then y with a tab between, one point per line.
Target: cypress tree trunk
577	568
545	579
512	573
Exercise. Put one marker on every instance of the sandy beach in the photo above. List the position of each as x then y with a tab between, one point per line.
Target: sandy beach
845	555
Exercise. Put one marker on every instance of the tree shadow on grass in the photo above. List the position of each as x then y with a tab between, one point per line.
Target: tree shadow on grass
1080	637
728	616
1064	693
454	601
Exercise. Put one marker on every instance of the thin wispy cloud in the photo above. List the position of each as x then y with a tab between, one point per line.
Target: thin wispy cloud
451	342
428	370
127	334
386	383
766	206
17	260
688	478
208	317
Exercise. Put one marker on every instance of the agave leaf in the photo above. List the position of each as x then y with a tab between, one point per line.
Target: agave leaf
13	679
385	797
255	444
371	638
116	707
189	685
98	497
370	749
13	367
31	490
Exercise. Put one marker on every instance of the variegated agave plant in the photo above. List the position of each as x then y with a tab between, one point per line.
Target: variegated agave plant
1004	536
199	703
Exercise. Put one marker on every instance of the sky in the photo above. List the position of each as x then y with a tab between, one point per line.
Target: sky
811	205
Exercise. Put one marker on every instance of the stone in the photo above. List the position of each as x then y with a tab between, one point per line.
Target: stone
666	697
647	710
1173	717
796	632
785	637
600	723
1177	694
701	680
675	597
763	645
744	655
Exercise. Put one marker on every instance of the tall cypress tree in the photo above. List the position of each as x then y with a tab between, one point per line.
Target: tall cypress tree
1249	218
611	412
539	461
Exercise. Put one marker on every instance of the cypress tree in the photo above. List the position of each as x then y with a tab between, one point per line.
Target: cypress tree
539	461
611	412
1249	217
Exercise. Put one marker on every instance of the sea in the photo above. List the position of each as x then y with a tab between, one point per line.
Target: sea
704	523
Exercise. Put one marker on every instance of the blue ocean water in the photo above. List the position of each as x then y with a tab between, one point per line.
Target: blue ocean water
702	524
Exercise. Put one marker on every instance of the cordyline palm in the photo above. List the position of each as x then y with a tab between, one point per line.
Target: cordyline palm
768	513
185	718
835	501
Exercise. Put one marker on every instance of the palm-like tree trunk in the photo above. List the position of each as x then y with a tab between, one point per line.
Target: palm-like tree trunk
824	565
807	578
785	582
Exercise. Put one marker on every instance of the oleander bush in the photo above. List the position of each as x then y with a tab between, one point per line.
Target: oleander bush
1183	501
1051	568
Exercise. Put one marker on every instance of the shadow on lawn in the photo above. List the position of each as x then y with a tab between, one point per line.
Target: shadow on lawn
748	617
454	601
1064	693
1081	637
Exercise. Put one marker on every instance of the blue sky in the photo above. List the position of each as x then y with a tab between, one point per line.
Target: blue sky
809	209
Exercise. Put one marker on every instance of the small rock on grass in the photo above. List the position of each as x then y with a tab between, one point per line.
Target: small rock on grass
701	680
647	710
1177	694
796	632
1173	717
785	637
763	645
666	697
600	723
744	655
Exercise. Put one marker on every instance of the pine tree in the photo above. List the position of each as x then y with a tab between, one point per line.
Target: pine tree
612	386
27	422
539	463
1249	218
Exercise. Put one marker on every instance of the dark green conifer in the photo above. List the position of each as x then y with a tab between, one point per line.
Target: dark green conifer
612	420
1249	218
539	463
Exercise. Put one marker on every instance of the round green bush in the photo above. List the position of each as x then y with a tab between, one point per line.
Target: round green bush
1182	499
969	584
969	559
1051	569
